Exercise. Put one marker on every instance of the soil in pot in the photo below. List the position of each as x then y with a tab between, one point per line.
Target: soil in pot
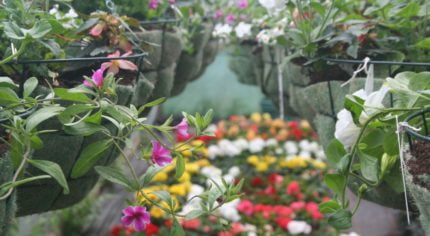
419	165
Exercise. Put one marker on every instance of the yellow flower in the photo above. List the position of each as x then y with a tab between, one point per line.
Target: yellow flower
175	203
185	150
267	117
269	159
160	177
197	143
185	177
178	189
203	163
192	167
319	165
305	124
169	167
253	160
295	162
256	117
148	193
203	151
157	212
261	167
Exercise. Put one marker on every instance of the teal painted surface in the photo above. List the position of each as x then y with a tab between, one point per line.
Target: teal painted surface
218	89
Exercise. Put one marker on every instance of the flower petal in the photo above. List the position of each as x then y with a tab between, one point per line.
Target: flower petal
127	65
127	220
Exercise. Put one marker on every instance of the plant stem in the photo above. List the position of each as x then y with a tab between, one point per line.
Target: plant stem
17	173
17	54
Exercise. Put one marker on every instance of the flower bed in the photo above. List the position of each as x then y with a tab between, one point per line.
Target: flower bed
280	165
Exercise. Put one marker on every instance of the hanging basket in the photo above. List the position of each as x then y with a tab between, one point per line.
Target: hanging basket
243	64
46	195
190	65
162	40
7	206
418	163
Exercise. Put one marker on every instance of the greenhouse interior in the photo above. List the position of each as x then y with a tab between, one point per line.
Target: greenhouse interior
215	118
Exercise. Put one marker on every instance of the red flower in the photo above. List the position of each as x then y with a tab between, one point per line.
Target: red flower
191	224
293	124
283	222
116	230
297	206
225	233
297	133
317	215
293	188
256	181
283	211
274	178
151	230
311	207
299	196
205	138
168	223
265	210
245	207
270	190
361	38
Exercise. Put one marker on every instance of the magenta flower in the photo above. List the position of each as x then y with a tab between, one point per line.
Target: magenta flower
138	215
117	64
171	2
182	131
229	19
153	4
160	155
218	14
242	4
97	78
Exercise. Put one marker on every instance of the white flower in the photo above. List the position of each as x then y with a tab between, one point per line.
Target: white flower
228	178
241	143
71	13
346	130
263	37
214	151
211	171
195	191
271	142
320	155
350	234
54	9
299	227
279	151
234	171
229	211
305	155
256	145
373	103
291	147
228	148
273	6
222	30
243	30
314	147
304	145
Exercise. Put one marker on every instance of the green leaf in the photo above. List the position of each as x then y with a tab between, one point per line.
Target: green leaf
410	10
54	170
194	214
42	115
67	115
164	196
423	44
68	95
96	118
89	157
354	104
12	30
84	129
88	24
114	175
8	96
149	174
177	229
40	29
7	82
335	182
151	104
53	46
30	85
369	166
341	219
343	165
335	151
6	186
180	166
373	139
329	207
390	143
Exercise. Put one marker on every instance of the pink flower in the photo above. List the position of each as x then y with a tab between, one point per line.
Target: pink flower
191	224
160	155
97	30
153	4
97	78
297	206
283	222
242	4
275	178
245	207
137	215
182	131
115	65
229	19
218	14
293	188
311	207
283	211
237	228
171	2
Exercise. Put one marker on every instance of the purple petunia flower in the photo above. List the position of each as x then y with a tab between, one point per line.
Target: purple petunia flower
242	4
97	78
229	19
160	155
137	215
153	4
